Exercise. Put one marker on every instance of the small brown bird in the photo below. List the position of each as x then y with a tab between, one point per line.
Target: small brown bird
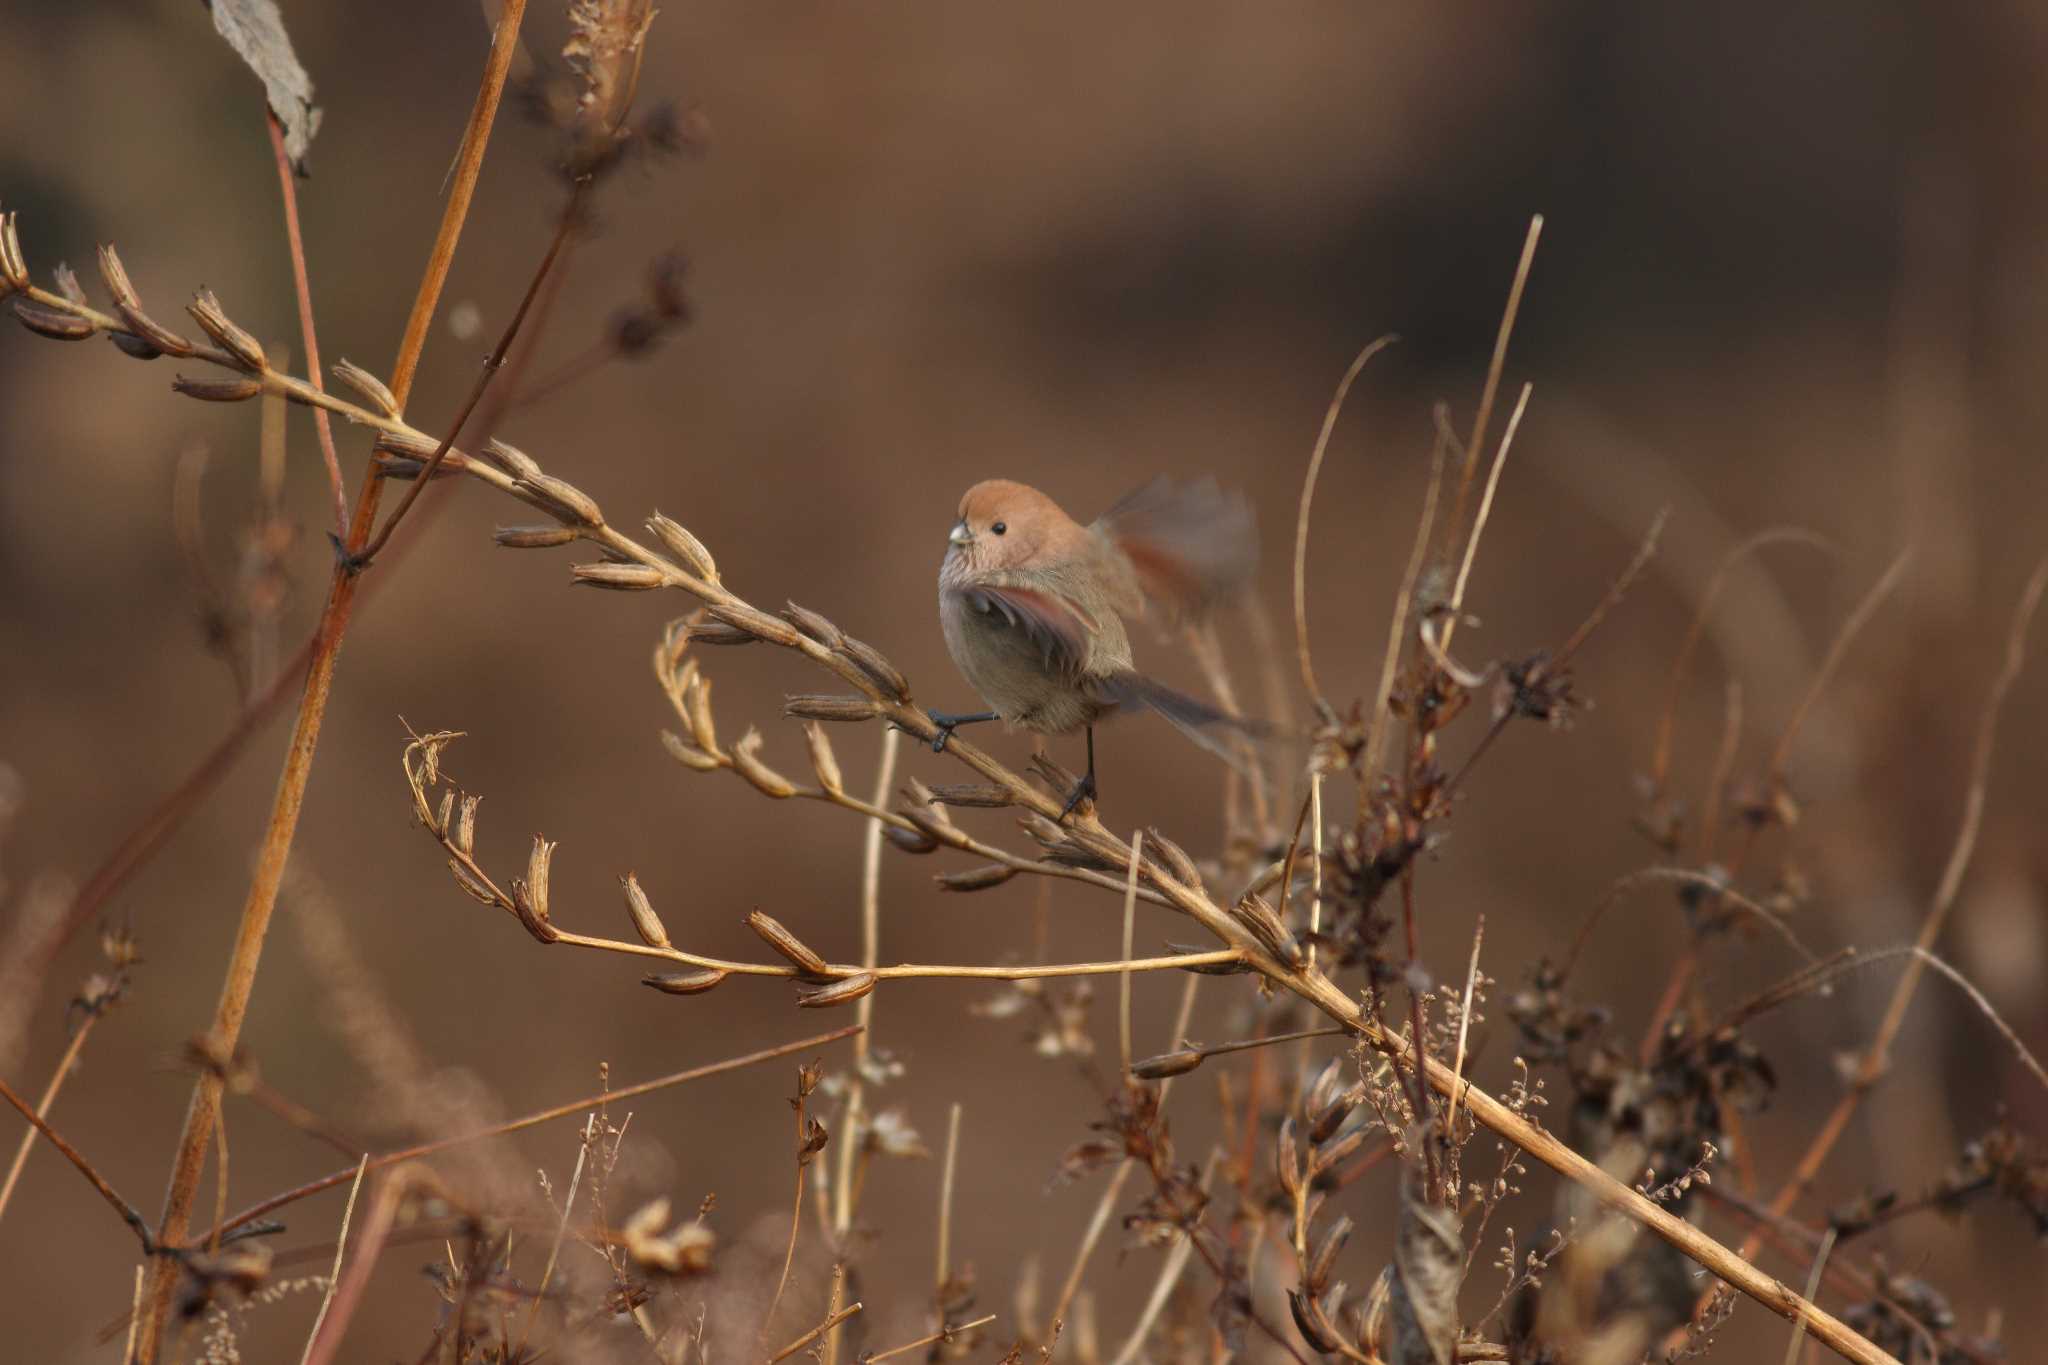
1033	604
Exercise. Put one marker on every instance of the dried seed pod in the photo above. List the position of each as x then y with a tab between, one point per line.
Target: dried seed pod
368	386
465	825
690	757
512	460
1335	1152
48	322
697	698
976	878
446	812
1329	1117
561	497
927	823
869	660
13	265
842	992
1324	1258
1265	927
746	758
533	916
1174	858
133	346
68	285
537	860
217	390
786	945
685	983
1176	1063
1287	1159
814	707
823	762
214	321
129	305
646	923
618	577
1324	1088
759	624
1315	1327
469	882
814	625
677	540
405	467
979	794
909	840
534	537
719	633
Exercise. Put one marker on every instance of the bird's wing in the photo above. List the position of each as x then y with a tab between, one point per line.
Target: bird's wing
1055	625
1189	544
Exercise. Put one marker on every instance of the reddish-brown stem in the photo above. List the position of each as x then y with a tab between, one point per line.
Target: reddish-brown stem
322	423
43	1106
129	1213
291	788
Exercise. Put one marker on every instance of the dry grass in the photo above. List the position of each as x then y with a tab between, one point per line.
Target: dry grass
1319	967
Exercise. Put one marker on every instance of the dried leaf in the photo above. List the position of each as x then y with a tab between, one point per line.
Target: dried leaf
255	30
1429	1263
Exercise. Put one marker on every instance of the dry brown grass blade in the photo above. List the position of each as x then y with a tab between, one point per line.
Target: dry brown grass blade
1479	518
1397	631
1837	651
1875	1058
1491	391
323	425
1308	497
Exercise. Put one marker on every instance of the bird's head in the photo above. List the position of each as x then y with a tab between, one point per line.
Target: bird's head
1005	525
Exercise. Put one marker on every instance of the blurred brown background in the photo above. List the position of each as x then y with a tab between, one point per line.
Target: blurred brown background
1793	271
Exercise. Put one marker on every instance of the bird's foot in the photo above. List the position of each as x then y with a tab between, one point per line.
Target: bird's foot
1084	790
947	722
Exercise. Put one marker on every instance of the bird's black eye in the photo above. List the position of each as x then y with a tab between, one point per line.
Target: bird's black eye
999	528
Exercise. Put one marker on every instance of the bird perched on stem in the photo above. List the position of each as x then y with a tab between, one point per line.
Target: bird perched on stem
1033	605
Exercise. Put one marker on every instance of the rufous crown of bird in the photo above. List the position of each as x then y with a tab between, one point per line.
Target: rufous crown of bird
1034	606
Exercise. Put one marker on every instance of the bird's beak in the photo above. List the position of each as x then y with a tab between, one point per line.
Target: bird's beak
960	535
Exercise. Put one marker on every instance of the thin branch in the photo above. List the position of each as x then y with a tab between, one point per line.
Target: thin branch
575	1106
807	1338
1820	1264
1479	519
1837	651
340	1247
128	1212
864	1009
43	1106
1684	876
1124	977
540	1292
1397	631
1877	1056
1308	497
944	1272
288	190
943	1334
1493	372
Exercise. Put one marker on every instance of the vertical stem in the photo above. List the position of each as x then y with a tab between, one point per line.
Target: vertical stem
233	1006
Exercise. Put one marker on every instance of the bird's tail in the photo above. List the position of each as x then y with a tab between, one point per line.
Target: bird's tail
1201	722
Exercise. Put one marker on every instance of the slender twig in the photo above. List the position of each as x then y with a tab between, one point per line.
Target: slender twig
575	1106
340	1247
944	1272
1820	1263
1723	769
1871	1066
1308	497
540	1292
1491	390
1716	886
870	945
1397	630
1169	1275
807	1338
128	1211
322	424
943	1334
1837	651
1465	1020
43	1106
796	1213
1124	977
1479	518
284	817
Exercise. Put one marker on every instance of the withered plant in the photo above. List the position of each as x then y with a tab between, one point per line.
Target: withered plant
1347	1058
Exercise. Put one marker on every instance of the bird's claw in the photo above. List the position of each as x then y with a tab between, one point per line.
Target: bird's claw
1084	790
944	732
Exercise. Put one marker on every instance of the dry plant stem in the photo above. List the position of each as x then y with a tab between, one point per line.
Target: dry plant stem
1820	1263
1397	632
1107	1204
1169	1275
839	1316
1315	905
870	944
1465	1020
945	1253
284	817
392	1192
1660	755
942	1334
1308	497
1124	978
1877	1056
1493	372
575	1106
129	1214
1724	768
540	1292
1479	519
340	1248
796	1218
1839	650
322	424
43	1106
